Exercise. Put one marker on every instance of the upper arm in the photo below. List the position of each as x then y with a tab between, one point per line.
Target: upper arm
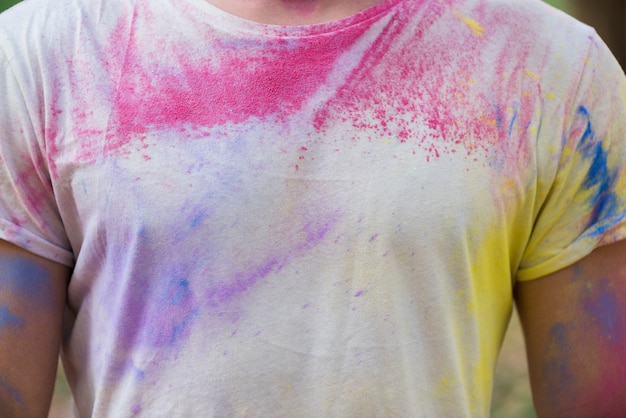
574	323
32	301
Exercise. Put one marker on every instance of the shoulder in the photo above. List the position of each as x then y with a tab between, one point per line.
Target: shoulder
529	24
57	25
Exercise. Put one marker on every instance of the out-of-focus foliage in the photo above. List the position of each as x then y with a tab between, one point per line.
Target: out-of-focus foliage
5	4
561	4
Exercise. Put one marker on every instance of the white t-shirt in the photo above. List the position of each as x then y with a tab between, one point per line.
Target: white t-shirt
306	221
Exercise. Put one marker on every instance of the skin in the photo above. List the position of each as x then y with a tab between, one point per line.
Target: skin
292	12
575	329
32	300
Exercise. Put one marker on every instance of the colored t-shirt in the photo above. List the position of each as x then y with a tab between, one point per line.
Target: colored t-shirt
321	220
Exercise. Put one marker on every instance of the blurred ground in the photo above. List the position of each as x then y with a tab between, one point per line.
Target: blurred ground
511	390
62	401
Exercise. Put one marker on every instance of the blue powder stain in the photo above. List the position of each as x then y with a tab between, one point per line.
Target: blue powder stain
556	369
582	110
26	278
180	330
181	292
7	319
604	308
499	117
598	178
195	222
512	123
558	333
9	389
181	298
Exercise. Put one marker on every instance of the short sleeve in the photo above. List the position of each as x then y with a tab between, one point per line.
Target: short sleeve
585	206
29	215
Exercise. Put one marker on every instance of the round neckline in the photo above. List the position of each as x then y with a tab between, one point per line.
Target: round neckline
229	22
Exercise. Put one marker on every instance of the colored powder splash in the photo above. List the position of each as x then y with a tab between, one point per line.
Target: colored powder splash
398	90
157	314
26	278
599	178
274	78
308	237
418	92
476	27
12	392
556	370
604	309
7	319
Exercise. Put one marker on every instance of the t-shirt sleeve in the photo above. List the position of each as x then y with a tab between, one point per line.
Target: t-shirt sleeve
585	206
29	214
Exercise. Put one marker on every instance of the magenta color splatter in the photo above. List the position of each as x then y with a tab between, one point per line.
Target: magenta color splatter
165	317
136	409
312	233
243	281
37	194
400	87
274	80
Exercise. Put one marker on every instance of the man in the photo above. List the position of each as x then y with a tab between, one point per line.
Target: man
308	208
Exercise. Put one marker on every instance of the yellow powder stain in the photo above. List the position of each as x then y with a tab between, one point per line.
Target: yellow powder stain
469	303
487	121
471	307
550	96
476	27
532	75
444	386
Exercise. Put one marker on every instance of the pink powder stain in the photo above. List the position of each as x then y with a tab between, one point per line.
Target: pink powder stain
136	409
52	128
310	235
607	381
187	90
429	83
242	281
36	191
158	316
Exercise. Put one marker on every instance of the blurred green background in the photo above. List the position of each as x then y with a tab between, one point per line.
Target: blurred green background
511	397
5	4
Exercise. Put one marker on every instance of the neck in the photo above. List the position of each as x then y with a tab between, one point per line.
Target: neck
293	12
